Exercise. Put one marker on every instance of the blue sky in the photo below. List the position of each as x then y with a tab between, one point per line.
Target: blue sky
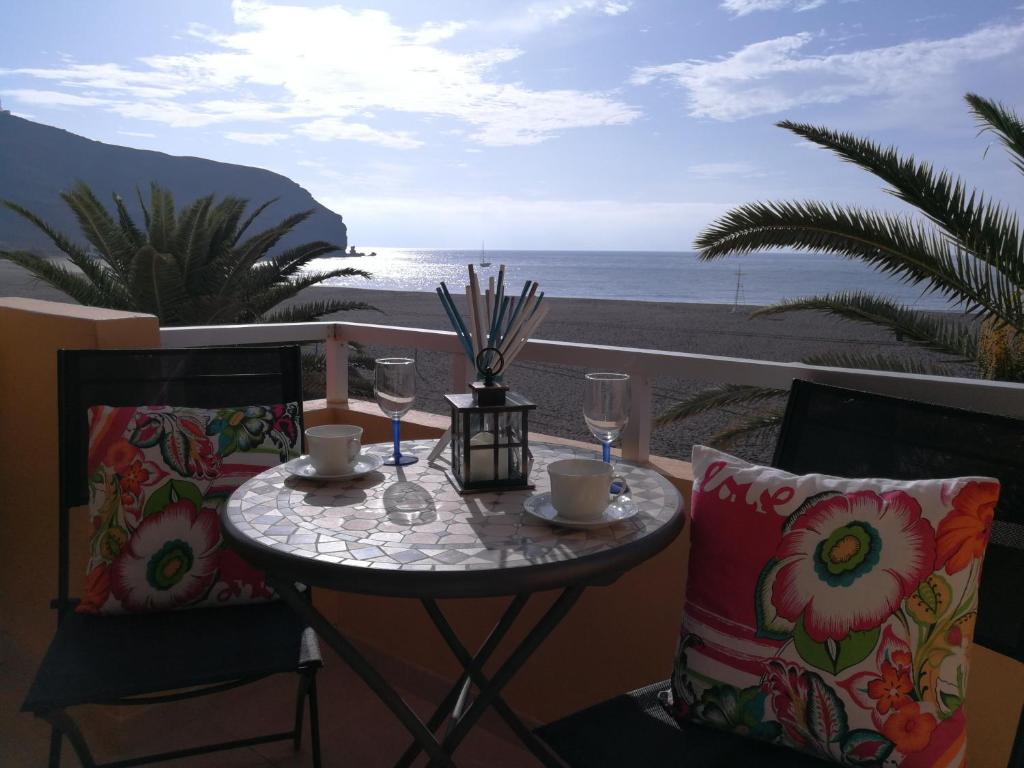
589	124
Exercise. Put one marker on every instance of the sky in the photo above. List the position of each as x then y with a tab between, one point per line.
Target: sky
528	124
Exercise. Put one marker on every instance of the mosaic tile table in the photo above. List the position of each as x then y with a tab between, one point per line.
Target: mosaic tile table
406	532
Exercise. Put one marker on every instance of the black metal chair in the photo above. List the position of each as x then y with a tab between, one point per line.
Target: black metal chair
850	434
165	657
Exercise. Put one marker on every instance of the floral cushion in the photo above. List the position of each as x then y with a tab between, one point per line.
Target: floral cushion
158	476
832	615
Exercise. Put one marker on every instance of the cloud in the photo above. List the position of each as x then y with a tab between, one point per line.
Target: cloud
262	139
546	13
743	7
315	69
53	98
138	134
332	129
777	75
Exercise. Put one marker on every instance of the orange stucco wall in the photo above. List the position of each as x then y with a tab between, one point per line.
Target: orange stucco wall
617	637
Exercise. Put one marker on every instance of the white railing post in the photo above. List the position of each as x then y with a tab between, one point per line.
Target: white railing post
337	370
460	372
636	437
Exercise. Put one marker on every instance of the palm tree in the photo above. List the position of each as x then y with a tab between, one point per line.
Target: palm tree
963	247
196	266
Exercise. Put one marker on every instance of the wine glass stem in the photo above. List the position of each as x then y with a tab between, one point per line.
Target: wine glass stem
606	451
395	433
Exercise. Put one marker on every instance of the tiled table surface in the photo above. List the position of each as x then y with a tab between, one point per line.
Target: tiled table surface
361	523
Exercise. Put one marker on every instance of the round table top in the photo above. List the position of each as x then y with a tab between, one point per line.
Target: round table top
354	535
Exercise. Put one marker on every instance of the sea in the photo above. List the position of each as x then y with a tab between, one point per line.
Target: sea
664	276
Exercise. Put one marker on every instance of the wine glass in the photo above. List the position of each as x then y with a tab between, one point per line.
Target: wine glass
394	387
606	408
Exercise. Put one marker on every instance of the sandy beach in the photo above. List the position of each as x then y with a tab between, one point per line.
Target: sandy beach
701	328
558	390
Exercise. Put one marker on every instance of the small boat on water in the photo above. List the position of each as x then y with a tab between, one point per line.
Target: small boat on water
483	257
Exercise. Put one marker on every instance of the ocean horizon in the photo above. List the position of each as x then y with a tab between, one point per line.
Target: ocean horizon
661	276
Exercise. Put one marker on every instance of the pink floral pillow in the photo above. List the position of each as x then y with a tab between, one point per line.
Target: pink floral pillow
832	615
158	476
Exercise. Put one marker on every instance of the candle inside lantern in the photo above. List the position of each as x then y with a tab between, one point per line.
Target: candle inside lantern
482	466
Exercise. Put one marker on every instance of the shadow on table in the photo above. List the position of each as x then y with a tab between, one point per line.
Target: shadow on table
507	540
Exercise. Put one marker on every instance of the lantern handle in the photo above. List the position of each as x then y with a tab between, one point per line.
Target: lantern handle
489	372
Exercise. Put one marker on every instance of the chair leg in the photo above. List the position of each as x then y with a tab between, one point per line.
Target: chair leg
314	720
55	743
300	708
63	724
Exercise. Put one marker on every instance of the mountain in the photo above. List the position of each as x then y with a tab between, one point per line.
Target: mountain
38	161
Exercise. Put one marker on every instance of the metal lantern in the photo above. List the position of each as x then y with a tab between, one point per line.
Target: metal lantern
489	432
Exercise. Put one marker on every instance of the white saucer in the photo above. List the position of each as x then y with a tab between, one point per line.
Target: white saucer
623	508
303	467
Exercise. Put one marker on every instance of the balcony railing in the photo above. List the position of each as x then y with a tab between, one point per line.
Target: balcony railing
643	365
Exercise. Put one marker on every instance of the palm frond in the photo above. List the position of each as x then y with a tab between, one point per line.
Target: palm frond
313	310
259	297
713	398
99	227
925	330
879	362
891	244
250	219
131	232
289	263
161	224
92	268
72	284
988	231
1003	122
191	239
71	249
754	427
256	247
145	211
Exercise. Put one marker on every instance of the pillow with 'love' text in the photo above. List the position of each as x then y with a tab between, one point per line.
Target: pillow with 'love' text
832	615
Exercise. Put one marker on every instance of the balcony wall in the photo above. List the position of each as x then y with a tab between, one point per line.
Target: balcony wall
616	638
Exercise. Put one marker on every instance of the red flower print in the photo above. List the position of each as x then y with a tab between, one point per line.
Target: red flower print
133	478
963	533
880	542
910	729
120	454
892	688
170	560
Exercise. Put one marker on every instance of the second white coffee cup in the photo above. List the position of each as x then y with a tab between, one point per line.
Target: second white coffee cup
334	448
580	488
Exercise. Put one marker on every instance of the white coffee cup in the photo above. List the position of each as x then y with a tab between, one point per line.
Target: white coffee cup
334	448
581	488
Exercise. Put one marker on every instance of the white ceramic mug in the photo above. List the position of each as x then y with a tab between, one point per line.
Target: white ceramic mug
581	488
334	448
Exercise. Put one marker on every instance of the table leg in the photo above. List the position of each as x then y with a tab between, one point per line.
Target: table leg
537	634
457	692
351	655
474	673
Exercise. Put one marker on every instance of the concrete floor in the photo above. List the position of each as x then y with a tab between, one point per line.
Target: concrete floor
357	731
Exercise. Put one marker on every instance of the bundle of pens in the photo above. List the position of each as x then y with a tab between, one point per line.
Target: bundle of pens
495	320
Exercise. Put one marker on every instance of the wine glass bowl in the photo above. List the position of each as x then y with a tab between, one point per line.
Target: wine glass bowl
606	402
394	388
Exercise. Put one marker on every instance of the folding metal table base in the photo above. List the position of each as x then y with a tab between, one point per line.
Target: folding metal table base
453	707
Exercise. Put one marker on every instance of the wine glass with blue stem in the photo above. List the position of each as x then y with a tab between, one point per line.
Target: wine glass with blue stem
606	408
394	388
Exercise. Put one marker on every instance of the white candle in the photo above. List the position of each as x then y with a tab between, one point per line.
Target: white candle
481	467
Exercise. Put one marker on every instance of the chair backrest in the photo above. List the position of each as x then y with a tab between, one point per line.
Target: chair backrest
204	378
857	434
